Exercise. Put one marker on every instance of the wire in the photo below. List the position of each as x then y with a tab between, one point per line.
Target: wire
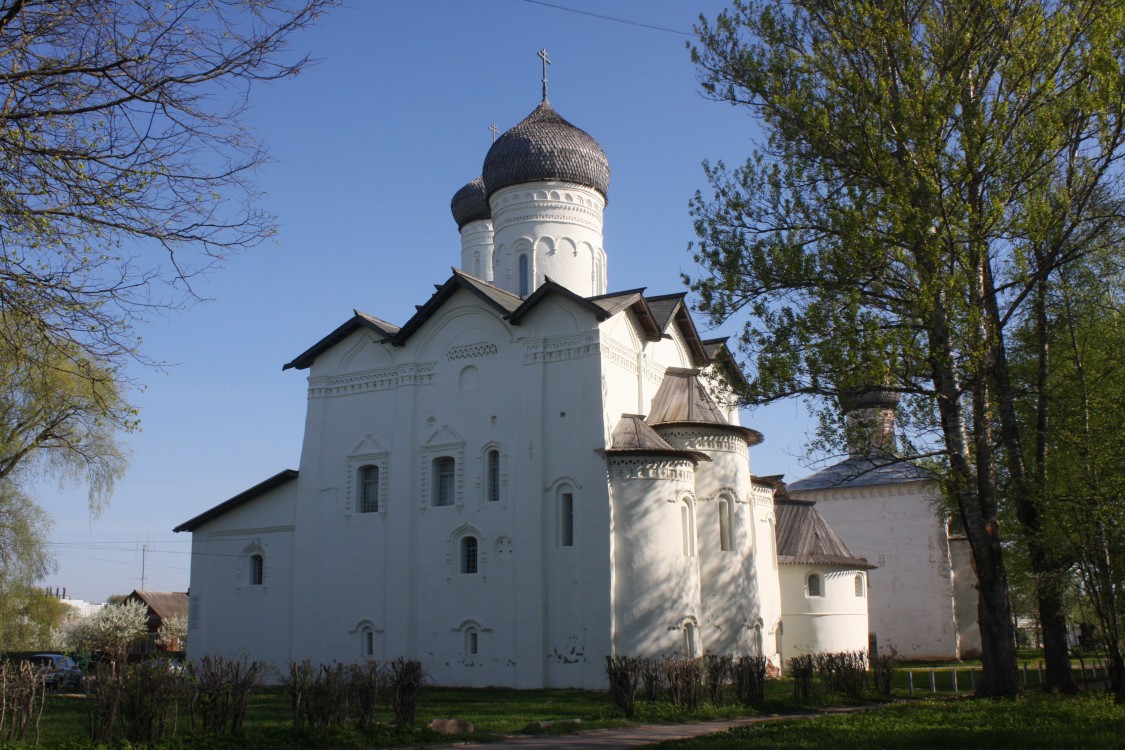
611	18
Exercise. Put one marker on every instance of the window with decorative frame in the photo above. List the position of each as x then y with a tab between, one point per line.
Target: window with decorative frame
687	526
492	475
367	485
724	506
257	569
470	555
444	481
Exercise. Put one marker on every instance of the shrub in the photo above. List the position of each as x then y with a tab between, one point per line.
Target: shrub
298	684
407	680
22	695
718	669
802	669
150	697
685	681
750	680
624	673
653	678
843	672
883	670
103	701
221	688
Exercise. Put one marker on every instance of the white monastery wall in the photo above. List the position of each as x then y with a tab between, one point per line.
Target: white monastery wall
229	615
896	526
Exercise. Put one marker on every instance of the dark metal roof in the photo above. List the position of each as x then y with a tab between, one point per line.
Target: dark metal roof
805	538
243	497
470	203
863	471
632	435
547	288
544	146
664	307
164	604
382	328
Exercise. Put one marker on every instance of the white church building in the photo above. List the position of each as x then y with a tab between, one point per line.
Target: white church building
528	475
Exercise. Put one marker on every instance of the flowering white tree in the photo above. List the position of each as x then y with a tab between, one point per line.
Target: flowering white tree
110	629
173	632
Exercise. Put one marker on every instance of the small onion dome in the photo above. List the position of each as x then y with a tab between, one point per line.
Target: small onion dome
544	146
470	204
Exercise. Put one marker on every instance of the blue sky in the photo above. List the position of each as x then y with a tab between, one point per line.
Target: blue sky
368	147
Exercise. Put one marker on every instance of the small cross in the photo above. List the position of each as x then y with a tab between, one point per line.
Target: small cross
494	130
546	62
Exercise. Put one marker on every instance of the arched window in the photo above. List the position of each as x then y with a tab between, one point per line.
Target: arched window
476	264
492	476
689	640
859	585
472	641
566	518
257	569
445	472
469	555
525	276
367	642
724	525
687	527
368	489
816	586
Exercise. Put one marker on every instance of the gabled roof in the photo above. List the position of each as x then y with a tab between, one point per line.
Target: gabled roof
500	300
653	320
718	352
805	538
164	604
632	435
863	471
549	287
243	497
381	328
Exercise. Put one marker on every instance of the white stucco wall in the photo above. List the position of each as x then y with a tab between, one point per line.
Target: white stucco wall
914	610
834	621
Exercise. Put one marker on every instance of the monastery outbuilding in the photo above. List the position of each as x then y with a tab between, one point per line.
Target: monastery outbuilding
528	475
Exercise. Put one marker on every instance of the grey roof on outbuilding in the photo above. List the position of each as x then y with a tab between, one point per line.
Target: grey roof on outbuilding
470	203
544	146
805	538
863	471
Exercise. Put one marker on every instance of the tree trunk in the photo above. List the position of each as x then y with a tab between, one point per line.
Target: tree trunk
1000	677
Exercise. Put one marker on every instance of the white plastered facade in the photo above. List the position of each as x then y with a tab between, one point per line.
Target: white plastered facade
459	500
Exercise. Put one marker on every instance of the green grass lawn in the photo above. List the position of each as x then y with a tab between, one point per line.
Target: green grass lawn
1035	721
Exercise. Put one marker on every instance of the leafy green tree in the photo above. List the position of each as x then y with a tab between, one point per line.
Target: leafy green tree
926	165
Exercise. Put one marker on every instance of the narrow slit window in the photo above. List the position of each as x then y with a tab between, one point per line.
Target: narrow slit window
566	519
525	280
492	471
724	525
471	642
257	568
816	587
859	587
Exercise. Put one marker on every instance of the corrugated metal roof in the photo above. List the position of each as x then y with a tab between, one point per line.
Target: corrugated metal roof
164	603
805	538
863	471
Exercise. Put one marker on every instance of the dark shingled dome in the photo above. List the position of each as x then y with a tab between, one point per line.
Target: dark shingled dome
470	204
546	147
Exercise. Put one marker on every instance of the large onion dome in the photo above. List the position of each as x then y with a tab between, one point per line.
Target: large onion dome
470	204
544	146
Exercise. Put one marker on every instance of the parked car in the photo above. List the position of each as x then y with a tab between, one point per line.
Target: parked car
59	671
